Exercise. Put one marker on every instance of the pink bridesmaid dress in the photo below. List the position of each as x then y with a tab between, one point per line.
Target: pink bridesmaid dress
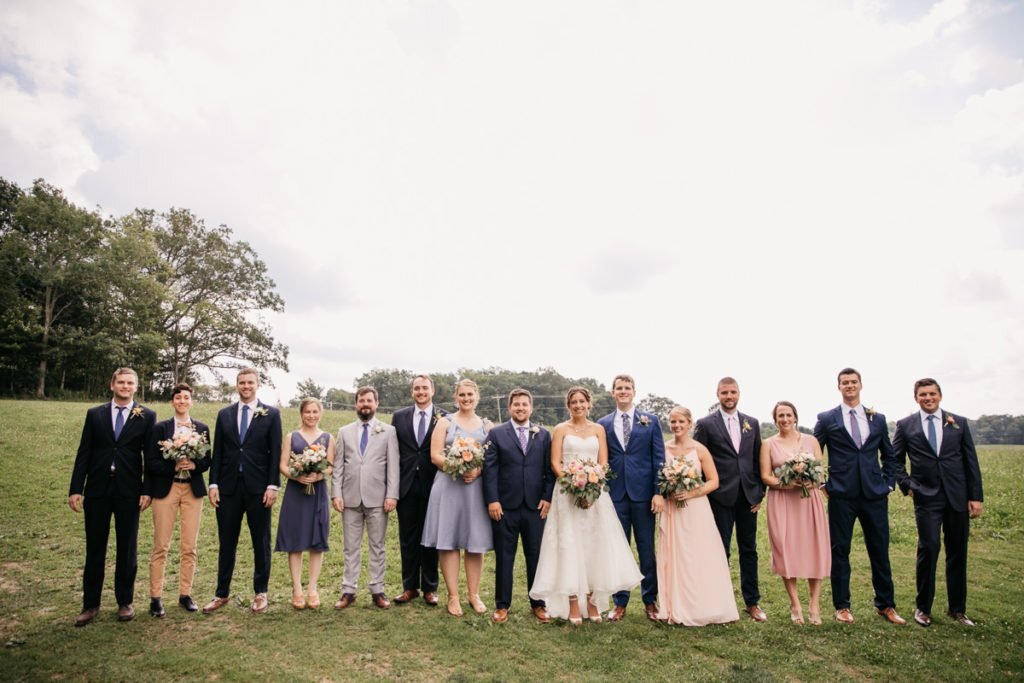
694	584
797	526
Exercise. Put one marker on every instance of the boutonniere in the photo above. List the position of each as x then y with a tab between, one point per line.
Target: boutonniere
870	412
644	420
259	412
950	422
378	428
136	412
746	426
437	416
534	431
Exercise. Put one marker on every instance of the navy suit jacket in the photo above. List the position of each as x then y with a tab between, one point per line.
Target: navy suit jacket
736	471
855	472
953	473
512	477
413	461
98	450
160	471
636	468
259	454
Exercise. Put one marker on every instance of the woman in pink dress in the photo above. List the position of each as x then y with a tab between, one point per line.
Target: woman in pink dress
797	525
694	584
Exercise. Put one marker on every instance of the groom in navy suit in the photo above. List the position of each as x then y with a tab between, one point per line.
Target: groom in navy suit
945	482
734	440
245	476
858	489
636	453
518	482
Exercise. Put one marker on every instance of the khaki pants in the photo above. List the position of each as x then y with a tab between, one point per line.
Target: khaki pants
165	511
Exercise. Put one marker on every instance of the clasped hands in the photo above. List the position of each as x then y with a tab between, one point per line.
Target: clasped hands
269	496
338	503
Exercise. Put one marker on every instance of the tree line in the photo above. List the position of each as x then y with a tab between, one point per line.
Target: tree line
158	291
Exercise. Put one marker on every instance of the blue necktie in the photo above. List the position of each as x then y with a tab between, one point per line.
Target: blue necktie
421	429
244	426
627	427
933	438
364	438
119	422
855	428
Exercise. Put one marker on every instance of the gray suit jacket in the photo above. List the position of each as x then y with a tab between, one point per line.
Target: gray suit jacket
369	478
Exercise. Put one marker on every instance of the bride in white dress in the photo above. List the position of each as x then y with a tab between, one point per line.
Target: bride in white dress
584	552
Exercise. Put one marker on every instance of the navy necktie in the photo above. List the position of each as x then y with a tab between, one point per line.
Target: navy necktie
244	426
933	438
364	438
119	422
421	428
855	428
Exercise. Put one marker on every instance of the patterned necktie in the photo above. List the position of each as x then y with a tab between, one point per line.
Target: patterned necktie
364	438
933	438
855	428
734	432
244	426
522	439
421	429
119	422
627	427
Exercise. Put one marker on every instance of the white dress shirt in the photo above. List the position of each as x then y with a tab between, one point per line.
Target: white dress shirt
253	405
862	421
618	422
938	428
124	415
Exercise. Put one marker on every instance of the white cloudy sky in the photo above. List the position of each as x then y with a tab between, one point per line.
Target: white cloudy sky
677	190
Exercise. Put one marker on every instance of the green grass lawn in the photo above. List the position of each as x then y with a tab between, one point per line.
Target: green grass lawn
42	549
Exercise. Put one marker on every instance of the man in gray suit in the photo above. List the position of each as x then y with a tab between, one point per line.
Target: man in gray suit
365	490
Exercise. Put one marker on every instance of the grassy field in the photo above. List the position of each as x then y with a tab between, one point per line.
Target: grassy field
42	549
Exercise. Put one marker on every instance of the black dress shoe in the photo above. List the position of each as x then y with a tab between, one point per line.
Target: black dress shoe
188	603
156	607
922	619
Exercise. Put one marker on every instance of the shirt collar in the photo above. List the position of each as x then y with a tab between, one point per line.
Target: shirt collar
631	412
429	410
726	416
252	404
521	425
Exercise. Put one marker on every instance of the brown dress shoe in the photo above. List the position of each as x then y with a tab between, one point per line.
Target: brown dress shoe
889	614
756	613
961	618
260	603
125	613
380	601
500	616
651	610
844	616
430	597
86	616
542	615
345	600
922	619
618	613
406	596
215	604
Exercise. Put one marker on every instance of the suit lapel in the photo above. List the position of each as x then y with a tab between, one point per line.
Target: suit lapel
841	424
724	429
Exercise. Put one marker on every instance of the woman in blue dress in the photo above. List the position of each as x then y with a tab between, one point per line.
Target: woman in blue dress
305	519
456	516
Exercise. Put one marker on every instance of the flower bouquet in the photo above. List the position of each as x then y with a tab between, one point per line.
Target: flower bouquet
462	457
802	469
190	445
583	481
313	459
678	475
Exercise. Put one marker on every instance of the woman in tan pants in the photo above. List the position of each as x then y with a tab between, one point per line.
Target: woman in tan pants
176	487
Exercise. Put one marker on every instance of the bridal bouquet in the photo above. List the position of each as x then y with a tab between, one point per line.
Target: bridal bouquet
190	445
462	457
803	469
583	481
678	475
313	459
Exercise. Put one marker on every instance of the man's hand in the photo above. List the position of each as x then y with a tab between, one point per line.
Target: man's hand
144	502
495	511
390	504
214	496
75	502
974	509
657	503
269	496
338	504
755	508
544	507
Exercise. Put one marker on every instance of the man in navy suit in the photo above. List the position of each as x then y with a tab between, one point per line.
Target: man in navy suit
245	476
636	453
107	480
945	482
415	425
734	440
518	482
858	489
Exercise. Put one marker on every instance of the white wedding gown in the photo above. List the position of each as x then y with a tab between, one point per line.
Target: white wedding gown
583	551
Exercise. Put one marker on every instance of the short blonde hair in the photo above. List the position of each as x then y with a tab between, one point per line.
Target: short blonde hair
682	410
466	382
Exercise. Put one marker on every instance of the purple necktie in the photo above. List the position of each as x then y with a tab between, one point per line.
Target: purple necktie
855	428
364	438
627	427
522	438
421	429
